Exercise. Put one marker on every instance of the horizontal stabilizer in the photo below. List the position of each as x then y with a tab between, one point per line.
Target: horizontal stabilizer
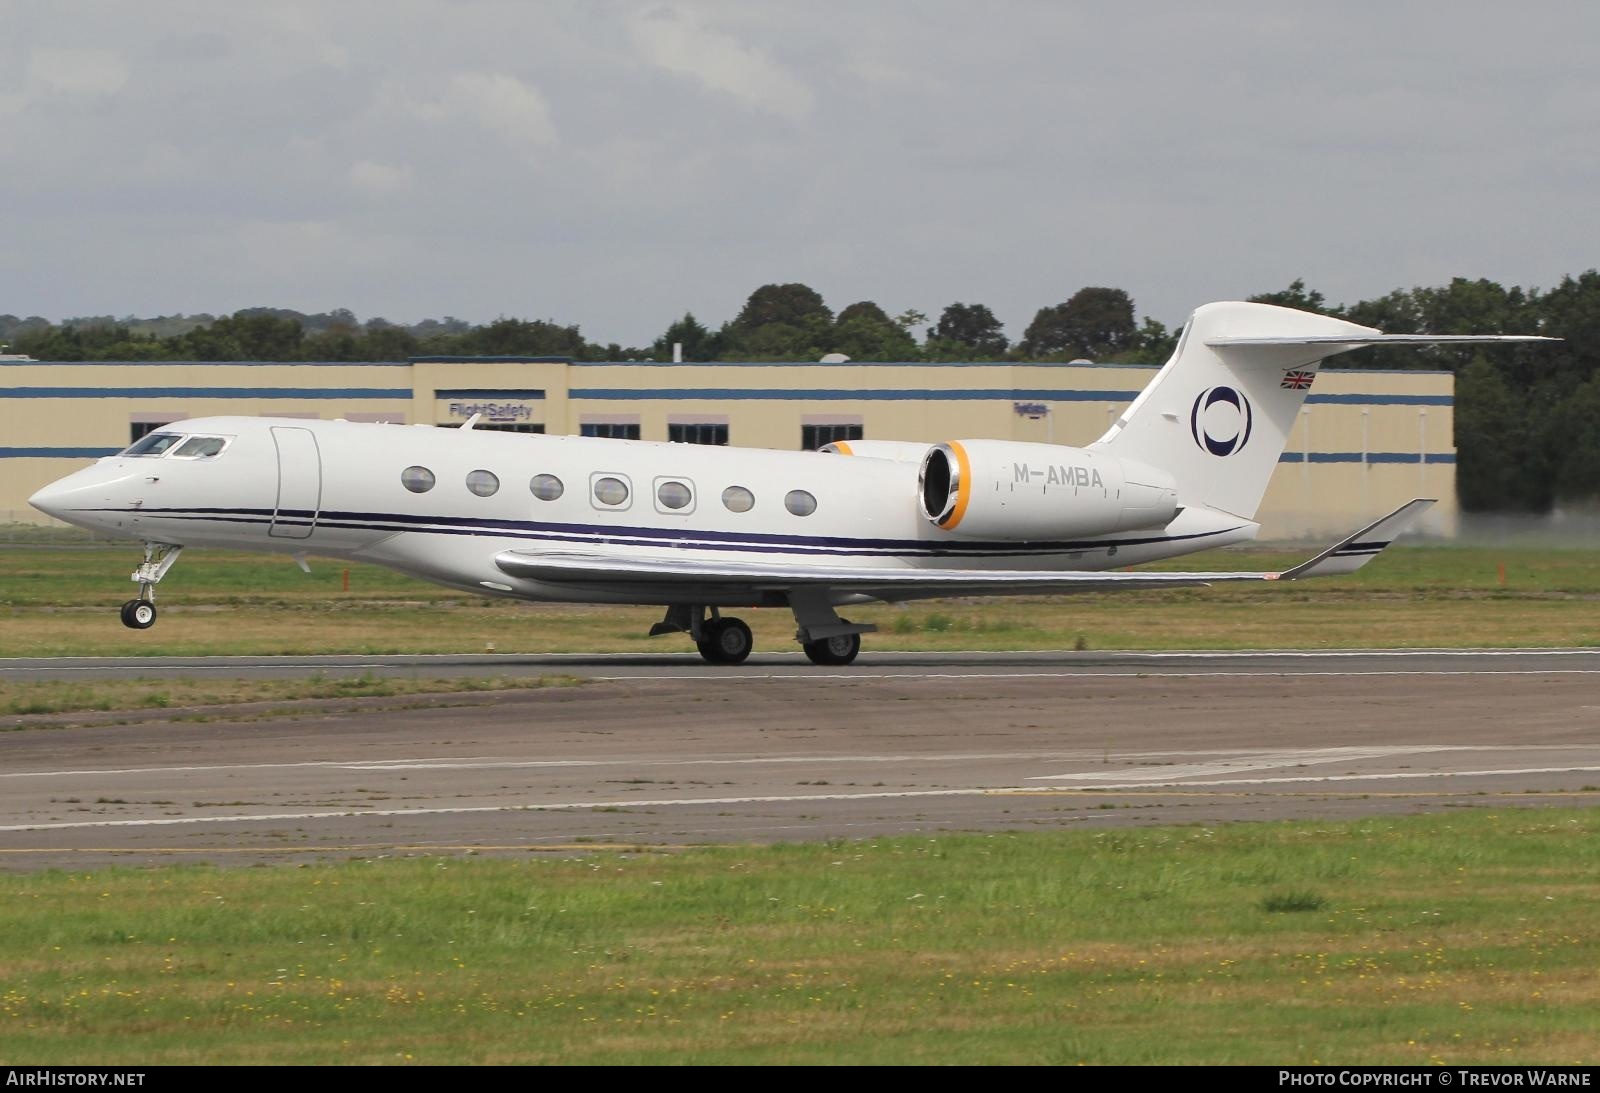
1355	551
1340	343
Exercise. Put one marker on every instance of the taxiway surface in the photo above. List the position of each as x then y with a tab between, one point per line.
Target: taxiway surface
663	750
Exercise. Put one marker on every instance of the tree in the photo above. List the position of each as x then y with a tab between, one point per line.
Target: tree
699	344
779	322
1094	323
1492	446
864	331
1297	297
792	304
972	327
524	338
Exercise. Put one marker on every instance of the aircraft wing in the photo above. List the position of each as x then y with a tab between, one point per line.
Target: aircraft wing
688	575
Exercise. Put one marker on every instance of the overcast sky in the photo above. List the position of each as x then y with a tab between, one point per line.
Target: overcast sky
614	164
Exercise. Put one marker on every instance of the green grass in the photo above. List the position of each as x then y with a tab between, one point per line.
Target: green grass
1463	938
62	599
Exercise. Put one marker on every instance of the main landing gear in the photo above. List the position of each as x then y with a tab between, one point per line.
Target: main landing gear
826	638
720	640
140	614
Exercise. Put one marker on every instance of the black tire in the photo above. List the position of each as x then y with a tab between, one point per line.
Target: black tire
138	614
727	641
833	652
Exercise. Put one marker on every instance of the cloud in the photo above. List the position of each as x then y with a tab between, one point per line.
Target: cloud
379	177
677	43
77	71
495	102
504	105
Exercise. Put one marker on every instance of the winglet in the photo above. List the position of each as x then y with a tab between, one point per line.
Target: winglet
1355	551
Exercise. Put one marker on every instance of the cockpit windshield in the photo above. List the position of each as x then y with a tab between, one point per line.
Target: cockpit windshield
153	444
178	446
198	446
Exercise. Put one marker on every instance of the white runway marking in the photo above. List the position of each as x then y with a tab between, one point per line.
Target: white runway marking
1228	759
561	806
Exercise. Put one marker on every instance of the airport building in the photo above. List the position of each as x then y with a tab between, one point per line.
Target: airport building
1365	443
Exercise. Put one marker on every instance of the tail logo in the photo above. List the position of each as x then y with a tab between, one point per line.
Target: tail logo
1220	420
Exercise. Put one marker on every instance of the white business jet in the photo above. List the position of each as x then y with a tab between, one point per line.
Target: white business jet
700	529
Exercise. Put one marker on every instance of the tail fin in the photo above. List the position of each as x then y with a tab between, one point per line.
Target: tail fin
1218	414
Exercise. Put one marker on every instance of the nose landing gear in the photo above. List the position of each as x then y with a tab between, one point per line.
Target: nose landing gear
140	614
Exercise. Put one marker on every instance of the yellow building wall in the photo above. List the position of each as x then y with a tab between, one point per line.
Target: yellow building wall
1365	442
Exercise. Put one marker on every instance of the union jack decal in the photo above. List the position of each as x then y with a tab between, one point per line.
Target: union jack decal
1296	380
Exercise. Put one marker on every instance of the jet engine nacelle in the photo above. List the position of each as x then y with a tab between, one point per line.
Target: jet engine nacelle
900	451
1001	489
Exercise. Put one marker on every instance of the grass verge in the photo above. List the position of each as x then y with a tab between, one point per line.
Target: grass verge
62	602
1461	938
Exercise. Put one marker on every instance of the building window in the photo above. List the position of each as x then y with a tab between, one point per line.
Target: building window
141	429
800	502
483	483
738	499
613	430
813	437
698	433
481	427
417	479
611	492
546	487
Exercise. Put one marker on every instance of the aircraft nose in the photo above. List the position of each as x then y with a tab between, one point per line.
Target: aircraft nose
51	500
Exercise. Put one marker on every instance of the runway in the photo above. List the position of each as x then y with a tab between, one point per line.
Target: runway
872	665
662	751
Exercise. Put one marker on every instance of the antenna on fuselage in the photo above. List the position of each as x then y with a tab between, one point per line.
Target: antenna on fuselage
471	421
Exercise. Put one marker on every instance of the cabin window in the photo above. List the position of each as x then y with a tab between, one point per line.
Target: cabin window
483	483
800	502
417	479
738	499
153	444
546	487
610	492
199	447
673	494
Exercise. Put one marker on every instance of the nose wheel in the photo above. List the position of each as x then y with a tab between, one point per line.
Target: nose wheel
138	614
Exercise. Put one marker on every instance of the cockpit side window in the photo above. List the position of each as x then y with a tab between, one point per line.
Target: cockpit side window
153	444
198	447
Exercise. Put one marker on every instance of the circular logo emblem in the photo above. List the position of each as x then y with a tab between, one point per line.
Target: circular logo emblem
1220	420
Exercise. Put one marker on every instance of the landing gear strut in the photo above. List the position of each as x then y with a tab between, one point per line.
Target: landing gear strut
720	640
841	649
140	614
826	638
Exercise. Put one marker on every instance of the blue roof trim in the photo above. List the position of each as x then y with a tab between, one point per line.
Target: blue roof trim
208	364
56	453
208	392
1384	400
1370	457
954	394
802	394
490	360
488	392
